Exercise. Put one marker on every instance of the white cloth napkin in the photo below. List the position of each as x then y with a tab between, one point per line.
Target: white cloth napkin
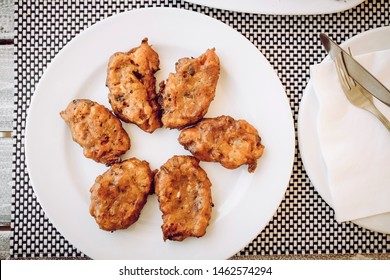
354	144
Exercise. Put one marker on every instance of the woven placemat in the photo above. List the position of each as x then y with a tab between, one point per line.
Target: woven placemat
303	223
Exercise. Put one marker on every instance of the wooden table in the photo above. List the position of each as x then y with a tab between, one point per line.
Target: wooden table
6	144
6	111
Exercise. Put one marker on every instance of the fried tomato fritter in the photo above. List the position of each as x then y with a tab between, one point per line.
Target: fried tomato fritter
225	140
132	86
186	95
184	193
118	195
96	130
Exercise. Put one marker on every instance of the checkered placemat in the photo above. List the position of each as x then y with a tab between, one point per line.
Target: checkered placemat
303	224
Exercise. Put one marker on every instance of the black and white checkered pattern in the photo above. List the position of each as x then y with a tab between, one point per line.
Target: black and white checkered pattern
303	224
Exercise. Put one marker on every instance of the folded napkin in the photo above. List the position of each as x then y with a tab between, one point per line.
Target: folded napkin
354	143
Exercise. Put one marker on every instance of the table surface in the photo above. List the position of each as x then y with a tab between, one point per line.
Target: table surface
302	227
6	117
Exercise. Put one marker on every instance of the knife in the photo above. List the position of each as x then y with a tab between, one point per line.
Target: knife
357	71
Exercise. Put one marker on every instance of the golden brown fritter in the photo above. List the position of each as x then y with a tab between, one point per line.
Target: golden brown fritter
225	140
132	86
118	195
186	95
97	130
184	194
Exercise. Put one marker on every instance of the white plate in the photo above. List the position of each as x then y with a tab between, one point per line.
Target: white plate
248	88
281	7
373	40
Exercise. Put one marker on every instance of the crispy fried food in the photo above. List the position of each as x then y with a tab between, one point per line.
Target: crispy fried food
186	95
225	140
118	195
184	194
97	130
132	86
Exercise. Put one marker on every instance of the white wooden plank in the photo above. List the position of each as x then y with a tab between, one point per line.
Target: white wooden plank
5	180
4	245
6	19
6	64
6	86
6	109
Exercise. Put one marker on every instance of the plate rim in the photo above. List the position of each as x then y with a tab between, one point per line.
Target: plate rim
316	181
279	8
74	41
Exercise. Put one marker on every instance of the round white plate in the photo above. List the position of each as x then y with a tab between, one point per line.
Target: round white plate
281	7
248	88
373	40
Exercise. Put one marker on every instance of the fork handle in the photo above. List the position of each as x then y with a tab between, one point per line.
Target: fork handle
380	116
384	120
374	110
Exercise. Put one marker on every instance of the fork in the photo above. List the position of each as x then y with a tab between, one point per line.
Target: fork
356	94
